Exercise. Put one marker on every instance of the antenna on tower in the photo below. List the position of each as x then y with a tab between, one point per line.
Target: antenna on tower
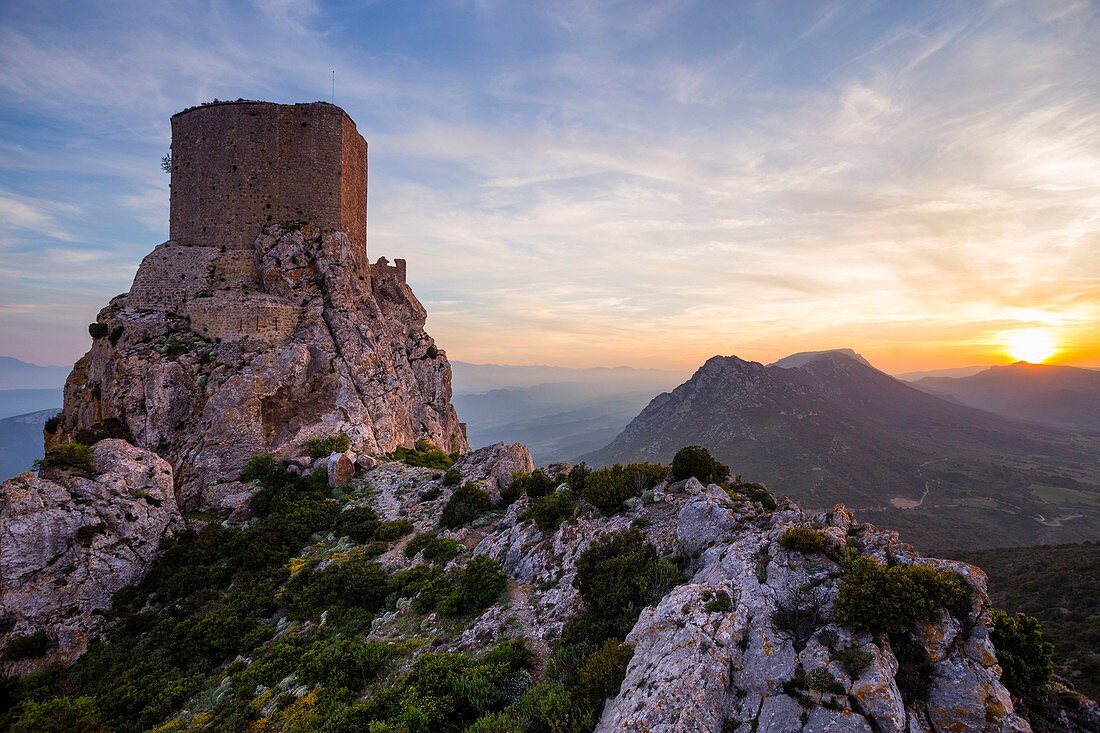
334	86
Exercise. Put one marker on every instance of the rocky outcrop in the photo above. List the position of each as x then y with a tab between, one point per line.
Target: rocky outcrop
68	542
720	667
701	668
216	356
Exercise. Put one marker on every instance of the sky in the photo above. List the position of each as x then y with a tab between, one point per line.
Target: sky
585	183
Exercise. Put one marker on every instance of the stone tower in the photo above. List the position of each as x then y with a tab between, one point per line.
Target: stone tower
240	166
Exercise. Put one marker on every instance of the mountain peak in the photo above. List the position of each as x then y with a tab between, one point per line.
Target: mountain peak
803	358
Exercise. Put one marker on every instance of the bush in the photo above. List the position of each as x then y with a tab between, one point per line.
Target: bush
98	330
666	576
349	662
72	456
358	522
549	511
59	715
321	447
806	540
355	582
694	460
823	681
613	579
1026	659
435	548
577	477
453	477
425	455
27	647
468	502
755	492
720	603
853	659
602	675
608	488
482	583
890	599
392	530
801	613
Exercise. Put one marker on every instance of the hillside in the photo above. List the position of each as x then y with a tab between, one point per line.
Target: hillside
556	421
17	374
1063	396
412	599
1060	586
835	429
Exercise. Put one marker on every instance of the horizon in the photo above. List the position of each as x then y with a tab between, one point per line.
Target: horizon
582	186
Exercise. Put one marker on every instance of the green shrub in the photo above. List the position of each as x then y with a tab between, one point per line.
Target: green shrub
720	603
613	579
608	488
468	502
495	723
806	540
482	583
74	456
1026	659
602	675
59	715
349	662
435	548
321	447
393	529
355	582
890	599
694	460
666	576
549	708
358	522
98	330
453	477
27	647
823	681
549	511
425	455
754	492
577	477
854	660
537	484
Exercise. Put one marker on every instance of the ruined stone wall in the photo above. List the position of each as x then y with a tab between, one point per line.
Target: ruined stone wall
237	167
229	316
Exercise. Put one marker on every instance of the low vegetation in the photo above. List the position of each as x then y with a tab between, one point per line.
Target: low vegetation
425	455
1060	586
321	447
467	503
890	599
1026	659
67	456
608	488
696	461
807	540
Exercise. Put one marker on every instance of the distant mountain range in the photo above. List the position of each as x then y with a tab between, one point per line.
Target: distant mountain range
469	378
16	374
557	412
1064	396
829	427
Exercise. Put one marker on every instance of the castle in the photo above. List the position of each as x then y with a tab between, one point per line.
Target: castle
239	168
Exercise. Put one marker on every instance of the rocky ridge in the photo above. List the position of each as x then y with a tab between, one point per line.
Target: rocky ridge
215	356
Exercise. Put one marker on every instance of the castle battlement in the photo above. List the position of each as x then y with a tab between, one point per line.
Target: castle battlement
240	166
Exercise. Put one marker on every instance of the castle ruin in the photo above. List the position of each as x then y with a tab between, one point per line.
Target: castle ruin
239	169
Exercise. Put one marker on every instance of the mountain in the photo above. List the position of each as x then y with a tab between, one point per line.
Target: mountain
480	378
21	441
556	421
835	429
1067	397
16	374
803	358
22	401
949	372
1060	586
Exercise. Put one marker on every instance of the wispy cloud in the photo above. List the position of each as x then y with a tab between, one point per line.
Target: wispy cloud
600	183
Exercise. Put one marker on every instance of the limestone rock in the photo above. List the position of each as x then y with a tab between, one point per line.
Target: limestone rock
341	468
495	464
68	543
256	351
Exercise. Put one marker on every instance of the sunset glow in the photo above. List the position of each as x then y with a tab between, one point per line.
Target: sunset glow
1032	345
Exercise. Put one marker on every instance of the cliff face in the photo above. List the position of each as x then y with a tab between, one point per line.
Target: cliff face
215	356
68	542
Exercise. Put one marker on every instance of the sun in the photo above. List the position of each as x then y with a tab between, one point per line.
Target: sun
1033	345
